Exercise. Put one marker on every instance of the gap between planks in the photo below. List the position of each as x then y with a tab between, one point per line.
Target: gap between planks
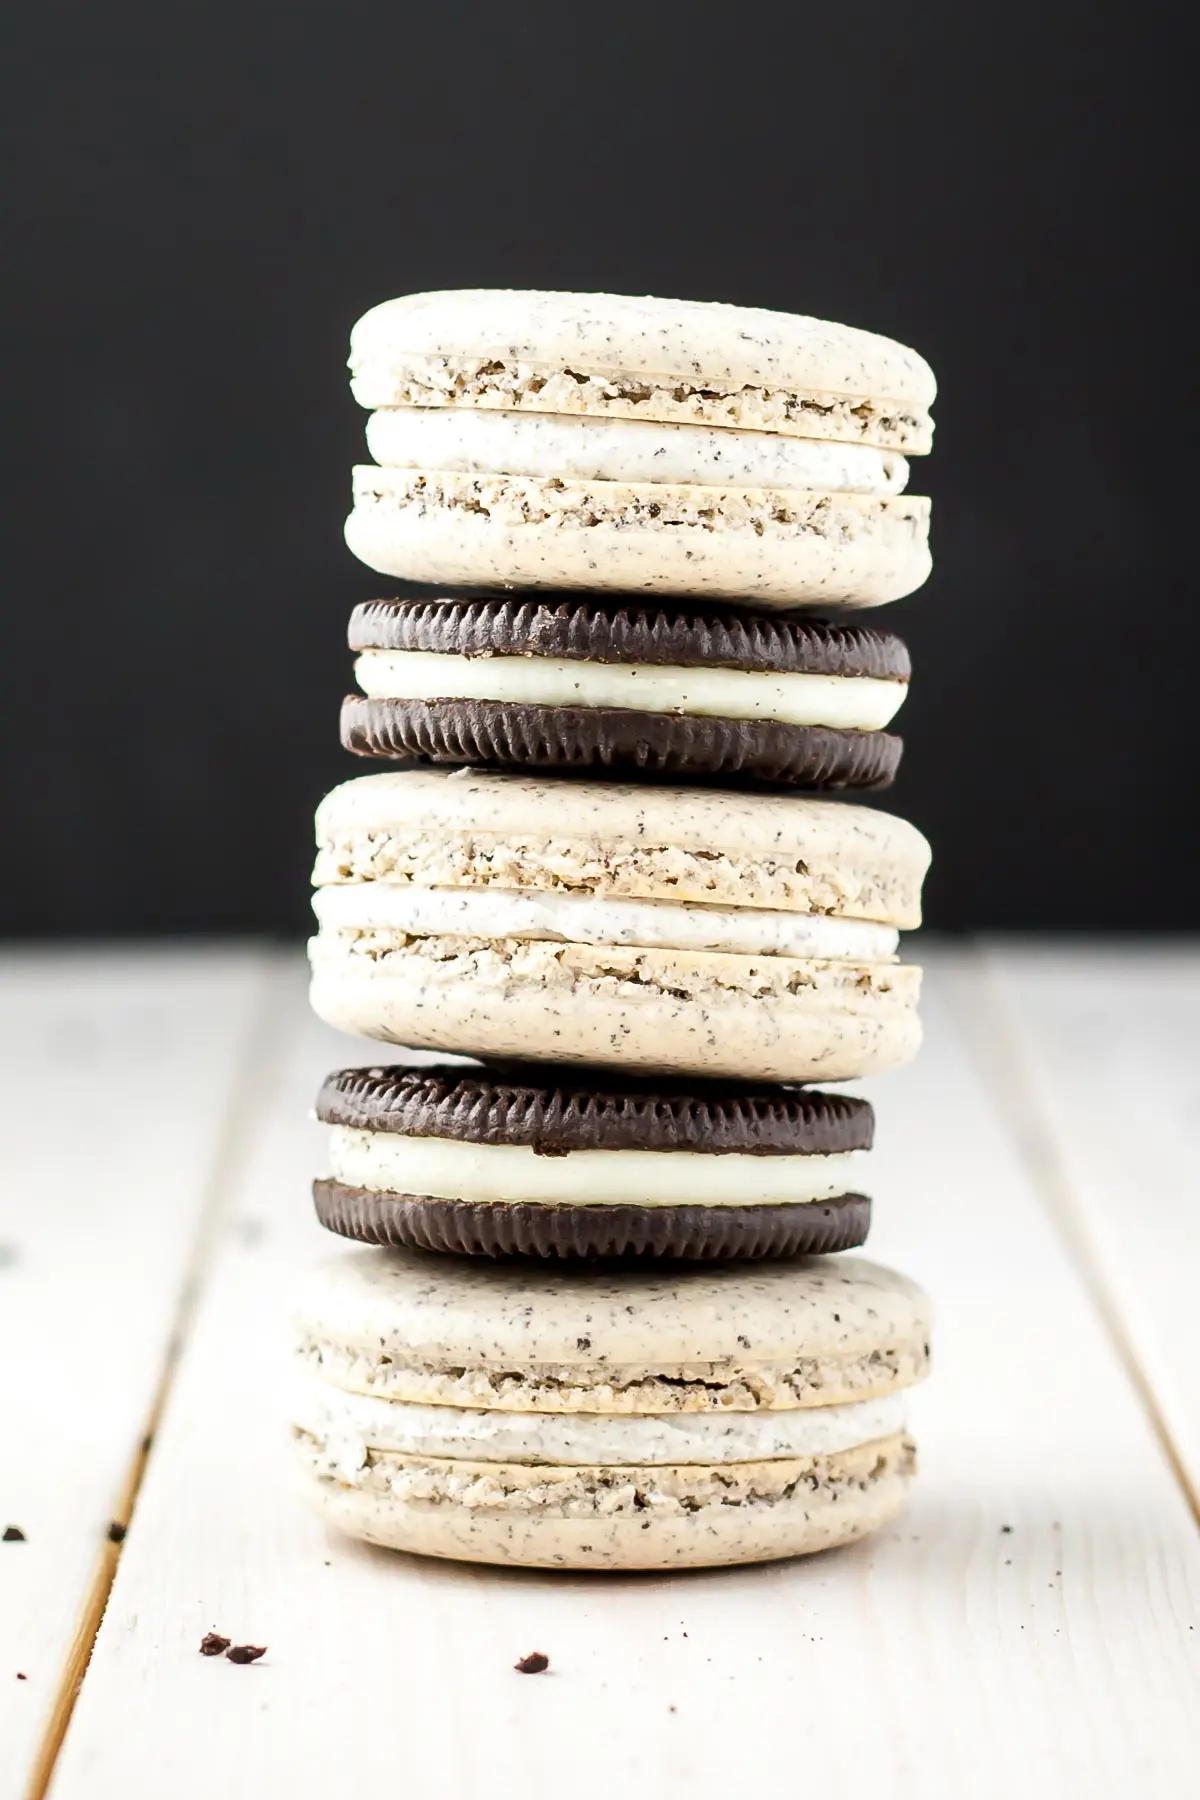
1074	1037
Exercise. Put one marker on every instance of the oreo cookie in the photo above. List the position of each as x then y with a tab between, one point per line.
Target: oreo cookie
603	740
594	1233
509	1152
568	684
636	630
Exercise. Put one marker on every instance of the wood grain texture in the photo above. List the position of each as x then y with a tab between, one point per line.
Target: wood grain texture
1106	1079
119	1073
1029	1628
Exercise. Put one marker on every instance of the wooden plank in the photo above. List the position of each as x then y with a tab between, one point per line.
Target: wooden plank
118	1072
1027	1629
1107	1048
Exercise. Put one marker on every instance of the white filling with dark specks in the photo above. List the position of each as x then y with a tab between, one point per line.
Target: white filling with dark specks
592	919
575	448
349	1426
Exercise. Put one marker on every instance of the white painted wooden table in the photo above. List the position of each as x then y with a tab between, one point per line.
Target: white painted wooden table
1031	1628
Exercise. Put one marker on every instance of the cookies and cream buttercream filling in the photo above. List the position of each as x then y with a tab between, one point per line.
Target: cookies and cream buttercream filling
550	446
452	1169
847	703
598	919
348	1427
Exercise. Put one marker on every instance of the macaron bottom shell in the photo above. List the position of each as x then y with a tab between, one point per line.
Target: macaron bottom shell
763	547
770	1019
627	1518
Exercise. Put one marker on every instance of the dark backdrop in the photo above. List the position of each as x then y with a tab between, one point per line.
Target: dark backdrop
204	197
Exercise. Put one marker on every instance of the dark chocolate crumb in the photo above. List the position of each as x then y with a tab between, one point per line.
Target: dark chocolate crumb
670	1709
246	1653
213	1644
1006	1528
116	1532
533	1664
13	1535
21	1677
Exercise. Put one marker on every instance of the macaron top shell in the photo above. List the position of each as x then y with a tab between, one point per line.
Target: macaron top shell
509	1317
693	341
602	837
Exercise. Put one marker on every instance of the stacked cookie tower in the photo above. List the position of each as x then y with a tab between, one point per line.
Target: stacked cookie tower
601	871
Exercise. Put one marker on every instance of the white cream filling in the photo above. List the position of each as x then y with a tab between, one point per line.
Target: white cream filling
348	1425
598	919
848	703
449	1169
571	448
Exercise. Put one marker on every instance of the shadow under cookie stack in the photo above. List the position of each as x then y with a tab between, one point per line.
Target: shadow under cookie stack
603	1318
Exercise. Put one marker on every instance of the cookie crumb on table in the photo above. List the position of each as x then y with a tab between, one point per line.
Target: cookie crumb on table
213	1644
246	1653
533	1664
13	1535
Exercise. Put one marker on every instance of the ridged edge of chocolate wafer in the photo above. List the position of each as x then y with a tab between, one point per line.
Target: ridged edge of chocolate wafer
593	1233
531	1104
630	631
507	734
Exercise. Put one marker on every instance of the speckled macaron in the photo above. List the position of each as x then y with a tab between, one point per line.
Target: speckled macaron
724	934
512	1413
522	1159
610	443
626	687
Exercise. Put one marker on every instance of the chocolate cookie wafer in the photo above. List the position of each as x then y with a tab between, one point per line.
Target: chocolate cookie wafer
629	687
504	1159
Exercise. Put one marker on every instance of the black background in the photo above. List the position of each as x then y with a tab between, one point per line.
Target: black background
203	196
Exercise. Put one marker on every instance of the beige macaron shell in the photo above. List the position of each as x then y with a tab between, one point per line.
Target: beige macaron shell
685	361
781	548
412	1308
652	1519
709	846
769	1018
702	339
